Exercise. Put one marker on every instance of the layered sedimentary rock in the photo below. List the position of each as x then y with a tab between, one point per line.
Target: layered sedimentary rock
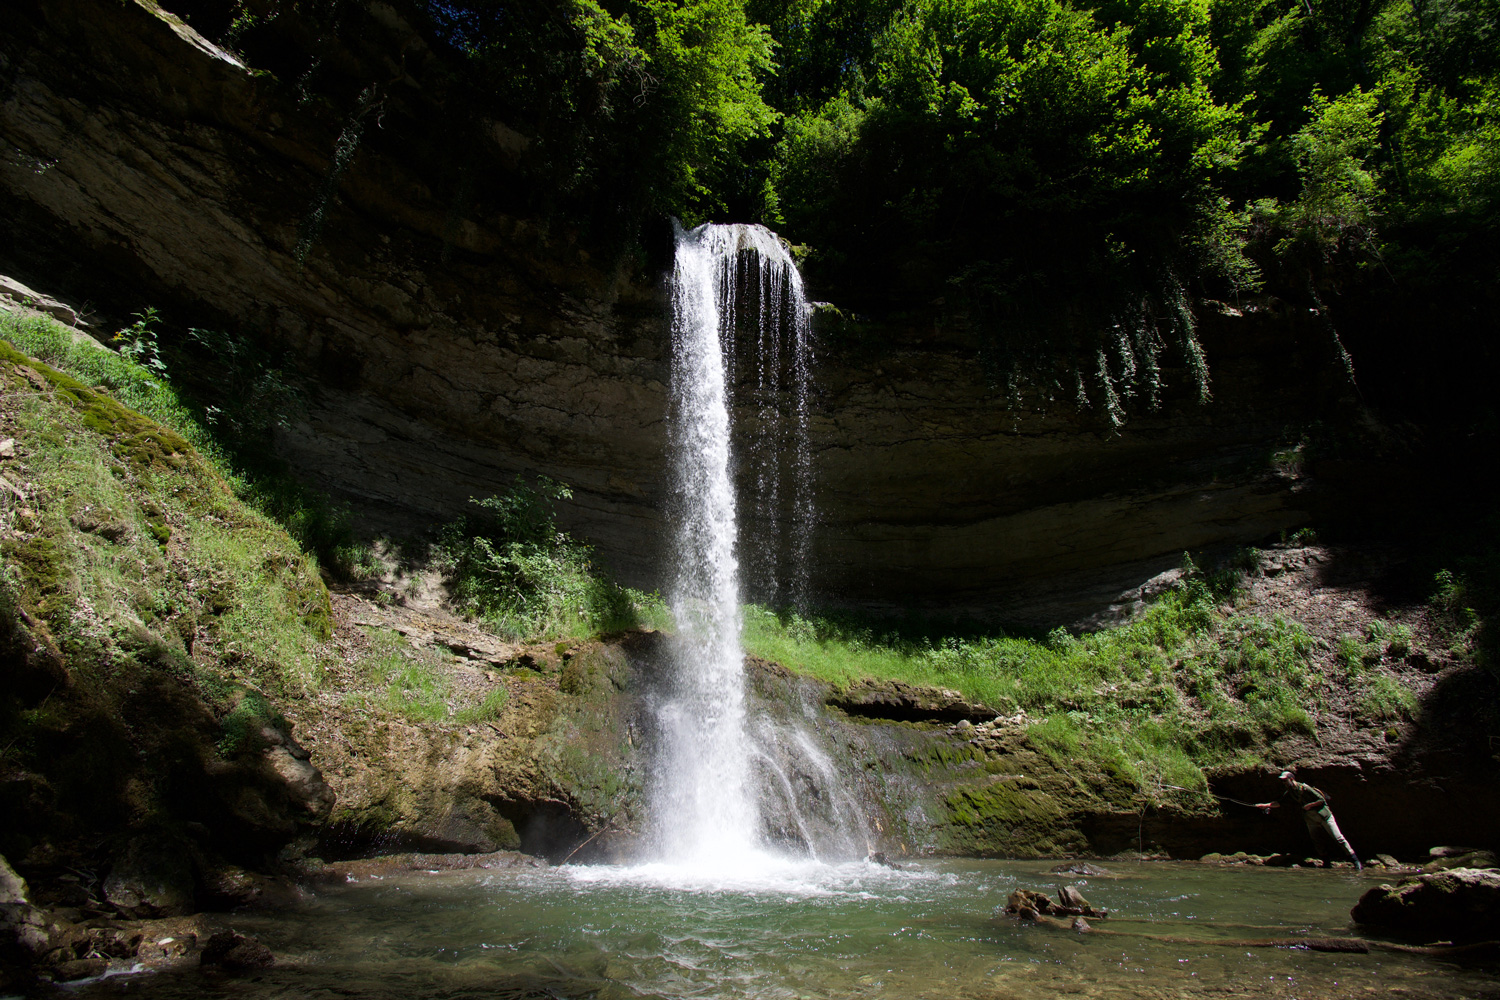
451	344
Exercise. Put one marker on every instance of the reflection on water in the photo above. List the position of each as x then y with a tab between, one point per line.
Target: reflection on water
789	931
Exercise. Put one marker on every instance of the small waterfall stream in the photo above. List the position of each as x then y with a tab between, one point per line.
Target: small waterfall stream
731	285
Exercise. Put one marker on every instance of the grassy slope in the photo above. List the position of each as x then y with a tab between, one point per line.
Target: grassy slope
144	607
128	529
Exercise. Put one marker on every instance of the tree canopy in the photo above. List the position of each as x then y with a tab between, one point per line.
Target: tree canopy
1066	175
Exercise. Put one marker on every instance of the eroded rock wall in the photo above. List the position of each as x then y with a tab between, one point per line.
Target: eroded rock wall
451	344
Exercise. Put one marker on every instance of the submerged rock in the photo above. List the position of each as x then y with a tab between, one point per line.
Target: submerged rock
235	952
1461	903
80	968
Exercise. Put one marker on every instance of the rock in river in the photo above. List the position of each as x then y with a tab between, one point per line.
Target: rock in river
1463	903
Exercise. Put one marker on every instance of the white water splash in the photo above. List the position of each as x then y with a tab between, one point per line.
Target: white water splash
705	808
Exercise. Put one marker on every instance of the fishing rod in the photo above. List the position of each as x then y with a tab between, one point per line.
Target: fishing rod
1226	798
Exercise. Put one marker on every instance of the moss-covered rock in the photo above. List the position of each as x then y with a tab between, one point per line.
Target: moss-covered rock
147	619
1463	903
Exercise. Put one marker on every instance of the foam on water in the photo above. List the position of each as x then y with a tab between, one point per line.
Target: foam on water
761	873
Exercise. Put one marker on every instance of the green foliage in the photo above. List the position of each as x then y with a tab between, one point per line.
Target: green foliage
409	682
1011	154
418	684
624	108
488	708
1396	637
513	568
1335	211
241	726
1354	654
1182	686
1061	180
1061	176
1384	698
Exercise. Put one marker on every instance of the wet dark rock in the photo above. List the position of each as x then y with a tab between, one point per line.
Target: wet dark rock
901	702
1080	868
1243	858
229	887
1071	897
80	968
1463	903
235	952
1027	904
1469	859
1352	946
1450	852
393	863
153	877
12	886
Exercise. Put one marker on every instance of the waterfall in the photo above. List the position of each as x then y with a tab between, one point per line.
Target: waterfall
730	284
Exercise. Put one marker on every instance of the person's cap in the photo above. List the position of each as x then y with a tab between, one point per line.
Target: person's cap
1285	775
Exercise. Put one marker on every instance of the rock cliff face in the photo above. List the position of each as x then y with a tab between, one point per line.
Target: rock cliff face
453	345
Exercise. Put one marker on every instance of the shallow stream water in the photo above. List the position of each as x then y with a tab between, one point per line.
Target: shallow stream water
930	930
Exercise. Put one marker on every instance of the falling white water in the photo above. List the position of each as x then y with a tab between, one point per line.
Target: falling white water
705	805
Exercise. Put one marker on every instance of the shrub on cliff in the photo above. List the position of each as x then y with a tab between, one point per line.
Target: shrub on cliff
510	566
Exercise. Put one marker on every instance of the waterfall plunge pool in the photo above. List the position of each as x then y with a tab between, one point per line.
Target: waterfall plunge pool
790	930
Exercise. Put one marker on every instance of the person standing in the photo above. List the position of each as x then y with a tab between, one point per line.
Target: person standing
1315	812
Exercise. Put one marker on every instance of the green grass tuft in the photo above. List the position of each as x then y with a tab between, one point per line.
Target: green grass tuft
1153	701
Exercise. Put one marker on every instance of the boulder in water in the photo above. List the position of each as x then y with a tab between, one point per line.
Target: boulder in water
1473	859
1071	897
1463	903
236	952
1028	905
80	968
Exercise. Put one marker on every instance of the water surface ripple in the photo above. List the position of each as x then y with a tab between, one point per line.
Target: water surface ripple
789	931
